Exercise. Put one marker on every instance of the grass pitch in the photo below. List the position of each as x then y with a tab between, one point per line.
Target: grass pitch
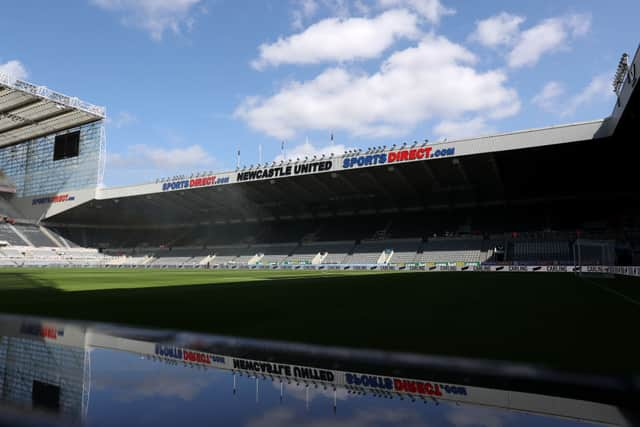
559	320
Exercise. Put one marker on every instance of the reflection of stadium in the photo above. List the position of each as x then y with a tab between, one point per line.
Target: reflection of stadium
46	365
559	195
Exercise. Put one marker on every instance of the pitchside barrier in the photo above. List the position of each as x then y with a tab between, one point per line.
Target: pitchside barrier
588	269
625	271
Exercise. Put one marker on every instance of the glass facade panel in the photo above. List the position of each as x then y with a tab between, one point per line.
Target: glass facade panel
31	167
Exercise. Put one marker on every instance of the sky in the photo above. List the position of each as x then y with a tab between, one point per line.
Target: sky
126	389
189	83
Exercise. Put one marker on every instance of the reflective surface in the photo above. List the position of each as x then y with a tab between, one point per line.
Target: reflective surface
58	372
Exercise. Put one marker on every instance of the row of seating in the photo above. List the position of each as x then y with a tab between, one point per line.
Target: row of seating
398	251
555	250
27	256
30	235
384	252
7	234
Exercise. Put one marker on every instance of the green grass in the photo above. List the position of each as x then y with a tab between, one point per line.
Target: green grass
558	320
71	280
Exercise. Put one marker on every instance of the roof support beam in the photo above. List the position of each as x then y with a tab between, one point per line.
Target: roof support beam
345	182
429	171
320	184
26	103
458	163
31	122
379	186
406	182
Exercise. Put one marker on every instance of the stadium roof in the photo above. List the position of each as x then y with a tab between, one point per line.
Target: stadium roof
28	111
527	174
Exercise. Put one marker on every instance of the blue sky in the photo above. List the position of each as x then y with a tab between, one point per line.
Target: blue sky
126	389
187	83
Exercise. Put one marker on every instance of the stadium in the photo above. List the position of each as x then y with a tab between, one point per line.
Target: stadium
459	215
558	196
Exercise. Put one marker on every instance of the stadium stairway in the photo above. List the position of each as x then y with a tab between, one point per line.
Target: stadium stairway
8	234
22	237
256	259
319	258
59	242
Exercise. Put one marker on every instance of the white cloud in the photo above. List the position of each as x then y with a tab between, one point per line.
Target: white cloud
578	24
14	69
168	159
432	10
361	7
551	35
497	30
339	8
154	16
301	392
434	79
303	10
552	98
122	119
337	39
310	150
598	89
548	97
458	129
164	383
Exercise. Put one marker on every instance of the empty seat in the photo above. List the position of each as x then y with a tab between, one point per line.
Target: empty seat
36	236
8	235
452	250
541	251
274	254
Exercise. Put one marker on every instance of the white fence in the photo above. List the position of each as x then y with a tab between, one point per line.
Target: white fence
589	269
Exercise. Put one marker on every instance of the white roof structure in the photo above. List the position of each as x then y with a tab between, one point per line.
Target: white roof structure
28	111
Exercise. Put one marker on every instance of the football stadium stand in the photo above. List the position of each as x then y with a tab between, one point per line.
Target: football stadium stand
452	250
273	254
321	252
561	195
404	250
8	234
370	252
545	250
